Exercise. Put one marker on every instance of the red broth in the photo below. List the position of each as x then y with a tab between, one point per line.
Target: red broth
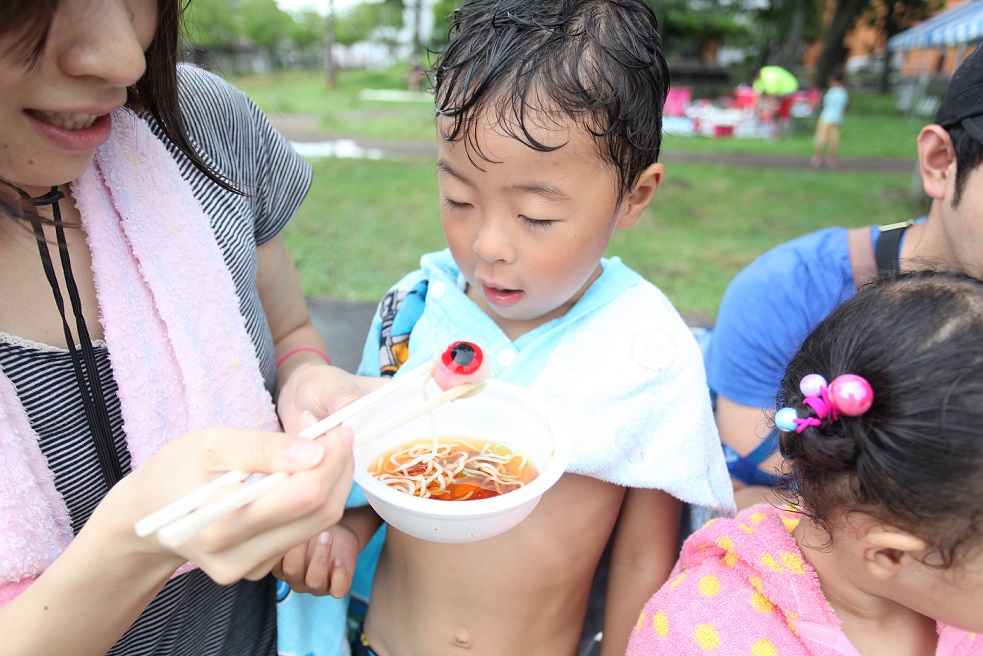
454	469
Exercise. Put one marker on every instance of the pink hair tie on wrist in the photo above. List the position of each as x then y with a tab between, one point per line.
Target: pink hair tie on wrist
300	349
849	394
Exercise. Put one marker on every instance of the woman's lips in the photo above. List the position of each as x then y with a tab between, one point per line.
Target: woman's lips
75	132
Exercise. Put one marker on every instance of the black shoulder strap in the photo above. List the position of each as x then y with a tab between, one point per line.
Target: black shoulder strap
888	245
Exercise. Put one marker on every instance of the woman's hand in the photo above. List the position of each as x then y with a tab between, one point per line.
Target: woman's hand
247	542
320	390
107	575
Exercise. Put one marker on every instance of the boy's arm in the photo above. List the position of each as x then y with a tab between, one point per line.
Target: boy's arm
644	549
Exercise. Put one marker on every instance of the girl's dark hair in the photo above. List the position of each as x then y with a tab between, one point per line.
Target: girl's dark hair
915	459
598	61
26	24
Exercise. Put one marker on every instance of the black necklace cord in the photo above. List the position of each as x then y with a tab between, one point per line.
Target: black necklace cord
84	364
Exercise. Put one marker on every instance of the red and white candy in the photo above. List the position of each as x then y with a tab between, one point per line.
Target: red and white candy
462	362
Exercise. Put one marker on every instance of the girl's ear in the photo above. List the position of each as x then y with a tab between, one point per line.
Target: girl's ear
888	551
640	197
935	154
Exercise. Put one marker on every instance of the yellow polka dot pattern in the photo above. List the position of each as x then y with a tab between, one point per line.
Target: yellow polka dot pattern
661	624
793	562
676	581
706	637
770	562
729	558
709	586
763	647
790	522
761	603
790	618
757	518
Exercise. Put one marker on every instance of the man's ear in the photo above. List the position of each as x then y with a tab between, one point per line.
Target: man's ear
887	551
935	155
641	195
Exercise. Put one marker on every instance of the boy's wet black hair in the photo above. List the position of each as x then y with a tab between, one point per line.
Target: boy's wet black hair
599	62
914	460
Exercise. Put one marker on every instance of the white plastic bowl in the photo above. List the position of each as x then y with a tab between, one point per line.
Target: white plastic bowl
501	412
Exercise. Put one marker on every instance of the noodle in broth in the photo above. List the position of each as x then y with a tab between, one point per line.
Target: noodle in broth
454	469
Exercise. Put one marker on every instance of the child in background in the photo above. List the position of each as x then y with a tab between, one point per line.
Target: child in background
549	116
827	140
883	554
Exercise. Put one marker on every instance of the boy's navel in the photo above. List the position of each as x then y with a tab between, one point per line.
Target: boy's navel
463	639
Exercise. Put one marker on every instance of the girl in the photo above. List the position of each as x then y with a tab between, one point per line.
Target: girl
880	552
145	296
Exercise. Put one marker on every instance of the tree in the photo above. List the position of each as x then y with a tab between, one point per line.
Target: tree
211	24
443	11
365	20
265	24
307	30
893	17
844	17
688	27
781	28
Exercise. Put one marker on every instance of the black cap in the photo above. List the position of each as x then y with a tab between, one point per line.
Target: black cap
963	103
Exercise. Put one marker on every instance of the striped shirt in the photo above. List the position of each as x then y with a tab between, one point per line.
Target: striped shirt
192	615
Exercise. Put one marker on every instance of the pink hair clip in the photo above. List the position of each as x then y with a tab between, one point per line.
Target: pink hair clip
848	394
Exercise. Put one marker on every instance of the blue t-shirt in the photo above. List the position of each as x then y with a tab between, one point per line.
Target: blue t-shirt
835	101
770	307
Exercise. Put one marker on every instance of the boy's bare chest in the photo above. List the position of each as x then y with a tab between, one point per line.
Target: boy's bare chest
514	593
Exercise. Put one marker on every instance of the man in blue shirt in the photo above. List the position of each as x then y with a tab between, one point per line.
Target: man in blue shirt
773	303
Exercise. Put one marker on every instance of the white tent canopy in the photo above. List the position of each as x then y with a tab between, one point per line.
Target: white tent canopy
954	27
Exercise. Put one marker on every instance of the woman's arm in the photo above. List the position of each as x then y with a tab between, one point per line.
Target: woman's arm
644	549
303	382
99	585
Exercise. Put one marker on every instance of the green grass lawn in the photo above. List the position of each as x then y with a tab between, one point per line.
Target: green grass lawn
366	222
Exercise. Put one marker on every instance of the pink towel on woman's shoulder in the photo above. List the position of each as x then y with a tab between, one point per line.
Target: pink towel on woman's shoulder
179	349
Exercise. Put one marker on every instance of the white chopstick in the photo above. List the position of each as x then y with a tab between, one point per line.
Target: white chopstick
183	529
181	520
453	393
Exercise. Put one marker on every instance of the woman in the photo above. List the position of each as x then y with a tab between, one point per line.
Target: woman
145	296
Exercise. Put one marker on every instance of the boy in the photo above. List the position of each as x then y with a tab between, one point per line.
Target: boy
827	141
549	117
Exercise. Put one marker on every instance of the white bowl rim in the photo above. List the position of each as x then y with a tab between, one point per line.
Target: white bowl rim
481	507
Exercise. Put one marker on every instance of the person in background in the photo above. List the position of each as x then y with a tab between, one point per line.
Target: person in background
881	549
149	317
772	304
549	122
830	123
